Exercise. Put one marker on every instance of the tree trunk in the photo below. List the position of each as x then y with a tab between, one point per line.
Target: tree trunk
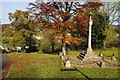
63	44
104	45
53	44
64	48
53	47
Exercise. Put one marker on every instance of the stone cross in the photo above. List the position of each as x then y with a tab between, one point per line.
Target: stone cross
89	50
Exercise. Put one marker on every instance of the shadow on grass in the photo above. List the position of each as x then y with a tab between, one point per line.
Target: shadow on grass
75	69
69	69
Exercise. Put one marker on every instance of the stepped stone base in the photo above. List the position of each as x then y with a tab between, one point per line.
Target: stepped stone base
92	57
89	51
93	61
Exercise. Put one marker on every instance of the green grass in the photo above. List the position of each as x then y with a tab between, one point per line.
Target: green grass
36	65
109	52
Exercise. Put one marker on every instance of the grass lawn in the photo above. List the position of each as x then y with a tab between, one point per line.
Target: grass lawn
34	65
109	52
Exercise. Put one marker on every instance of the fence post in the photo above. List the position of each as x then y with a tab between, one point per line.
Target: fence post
113	57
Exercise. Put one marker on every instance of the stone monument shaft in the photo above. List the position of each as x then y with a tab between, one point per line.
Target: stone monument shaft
89	50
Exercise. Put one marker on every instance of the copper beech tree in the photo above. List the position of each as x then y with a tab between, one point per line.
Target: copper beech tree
63	18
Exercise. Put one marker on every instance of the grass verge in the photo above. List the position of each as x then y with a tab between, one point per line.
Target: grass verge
49	66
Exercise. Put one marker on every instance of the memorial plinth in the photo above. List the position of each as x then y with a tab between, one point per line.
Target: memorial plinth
90	55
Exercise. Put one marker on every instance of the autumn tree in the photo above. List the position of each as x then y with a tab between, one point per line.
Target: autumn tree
63	18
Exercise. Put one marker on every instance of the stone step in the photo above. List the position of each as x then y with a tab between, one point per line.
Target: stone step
82	54
81	57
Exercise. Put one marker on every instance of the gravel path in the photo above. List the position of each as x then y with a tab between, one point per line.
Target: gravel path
4	60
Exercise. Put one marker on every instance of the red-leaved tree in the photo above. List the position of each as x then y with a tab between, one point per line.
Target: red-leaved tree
63	18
